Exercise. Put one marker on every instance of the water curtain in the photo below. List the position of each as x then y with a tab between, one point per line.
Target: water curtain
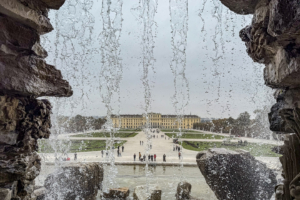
179	26
110	77
145	13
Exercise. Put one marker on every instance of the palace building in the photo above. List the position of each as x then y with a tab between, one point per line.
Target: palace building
157	120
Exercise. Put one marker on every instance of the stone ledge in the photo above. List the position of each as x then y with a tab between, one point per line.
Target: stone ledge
16	10
31	76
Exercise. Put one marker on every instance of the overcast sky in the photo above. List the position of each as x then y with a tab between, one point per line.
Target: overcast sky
226	87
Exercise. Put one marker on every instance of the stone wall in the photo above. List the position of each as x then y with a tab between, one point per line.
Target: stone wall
24	76
273	39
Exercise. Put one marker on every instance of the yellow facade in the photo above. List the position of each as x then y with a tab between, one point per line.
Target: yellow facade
157	120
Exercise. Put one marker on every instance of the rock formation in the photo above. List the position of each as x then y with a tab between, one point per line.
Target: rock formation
24	76
117	193
183	191
273	39
75	181
236	175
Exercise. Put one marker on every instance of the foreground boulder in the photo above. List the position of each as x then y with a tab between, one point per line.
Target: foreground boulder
117	193
75	181
183	191
140	193
236	174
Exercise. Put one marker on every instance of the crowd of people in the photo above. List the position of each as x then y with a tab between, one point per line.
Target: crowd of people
150	157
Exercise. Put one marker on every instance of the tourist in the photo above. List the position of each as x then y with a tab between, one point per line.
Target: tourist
140	155
118	153
134	157
164	158
144	157
102	153
179	155
122	148
75	156
178	149
118	147
154	157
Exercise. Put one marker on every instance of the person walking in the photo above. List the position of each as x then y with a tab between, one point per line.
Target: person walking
178	149
144	157
179	155
118	147
134	157
118	152
164	157
154	157
102	153
75	156
149	157
122	148
140	155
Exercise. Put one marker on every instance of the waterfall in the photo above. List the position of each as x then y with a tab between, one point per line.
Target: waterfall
179	26
110	77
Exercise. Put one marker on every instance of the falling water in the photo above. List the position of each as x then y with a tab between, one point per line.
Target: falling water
145	13
179	26
110	77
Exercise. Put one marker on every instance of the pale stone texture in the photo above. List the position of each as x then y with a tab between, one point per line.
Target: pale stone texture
236	174
77	180
140	193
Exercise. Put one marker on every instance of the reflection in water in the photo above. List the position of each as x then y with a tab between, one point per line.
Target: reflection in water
132	175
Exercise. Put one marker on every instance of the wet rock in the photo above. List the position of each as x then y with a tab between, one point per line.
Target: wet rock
284	18
77	180
23	121
31	76
5	194
183	191
117	193
40	193
282	69
25	15
287	100
243	7
236	174
53	4
16	36
140	193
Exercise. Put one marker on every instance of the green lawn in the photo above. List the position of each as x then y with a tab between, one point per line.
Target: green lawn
254	149
176	130
106	134
76	145
196	136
